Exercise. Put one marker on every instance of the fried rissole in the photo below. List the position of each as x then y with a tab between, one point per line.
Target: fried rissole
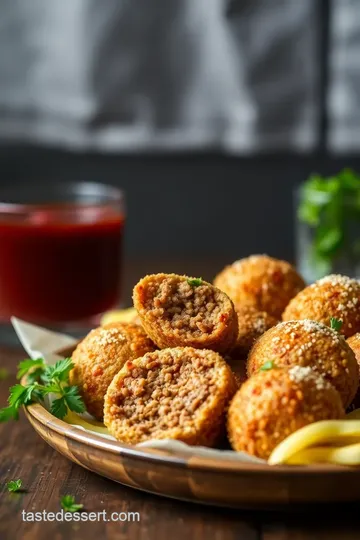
273	404
252	324
179	393
100	355
309	343
332	296
179	311
262	282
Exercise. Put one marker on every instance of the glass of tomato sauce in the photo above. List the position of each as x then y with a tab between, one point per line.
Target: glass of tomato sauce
60	253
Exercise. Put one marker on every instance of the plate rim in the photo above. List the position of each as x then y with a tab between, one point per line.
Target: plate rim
204	463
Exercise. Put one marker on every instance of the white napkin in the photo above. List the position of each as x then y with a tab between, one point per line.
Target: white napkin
39	342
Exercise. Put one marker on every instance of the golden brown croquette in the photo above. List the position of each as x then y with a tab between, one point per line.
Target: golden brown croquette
332	296
309	343
262	282
252	324
179	311
179	393
238	367
354	344
100	355
275	403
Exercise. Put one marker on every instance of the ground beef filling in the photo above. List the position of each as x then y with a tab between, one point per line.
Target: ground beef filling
184	309
158	396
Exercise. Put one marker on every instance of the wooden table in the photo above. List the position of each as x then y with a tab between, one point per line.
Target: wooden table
47	476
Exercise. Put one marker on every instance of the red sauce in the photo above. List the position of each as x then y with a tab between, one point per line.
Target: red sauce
59	266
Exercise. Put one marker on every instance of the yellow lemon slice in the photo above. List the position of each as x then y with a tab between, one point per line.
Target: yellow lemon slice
91	425
119	315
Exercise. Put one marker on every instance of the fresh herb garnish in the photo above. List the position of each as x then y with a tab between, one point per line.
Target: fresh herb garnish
267	366
27	365
196	282
68	504
335	324
40	381
4	373
14	485
331	207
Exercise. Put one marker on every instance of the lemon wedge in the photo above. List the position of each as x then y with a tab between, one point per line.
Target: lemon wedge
91	425
119	315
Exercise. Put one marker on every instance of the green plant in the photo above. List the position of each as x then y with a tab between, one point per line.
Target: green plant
331	207
267	366
335	324
14	485
53	379
195	282
69	505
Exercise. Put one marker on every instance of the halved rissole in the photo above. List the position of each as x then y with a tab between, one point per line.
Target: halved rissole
178	311
100	355
180	393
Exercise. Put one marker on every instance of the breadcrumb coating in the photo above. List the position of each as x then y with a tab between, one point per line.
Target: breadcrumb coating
238	367
262	282
309	343
273	404
100	355
332	296
175	313
354	344
179	393
252	324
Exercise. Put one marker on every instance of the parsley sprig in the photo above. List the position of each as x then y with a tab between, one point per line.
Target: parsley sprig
330	206
42	380
68	504
267	366
14	485
195	282
335	324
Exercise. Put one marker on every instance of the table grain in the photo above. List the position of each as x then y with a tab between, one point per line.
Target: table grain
47	476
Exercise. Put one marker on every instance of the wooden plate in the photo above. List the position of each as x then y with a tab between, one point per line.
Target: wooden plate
191	478
203	480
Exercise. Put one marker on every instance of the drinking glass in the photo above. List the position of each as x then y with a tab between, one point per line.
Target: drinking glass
60	253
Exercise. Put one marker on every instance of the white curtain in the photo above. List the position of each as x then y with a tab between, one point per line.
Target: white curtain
344	88
112	75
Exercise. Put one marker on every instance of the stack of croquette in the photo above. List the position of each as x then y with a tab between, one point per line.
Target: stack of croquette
199	358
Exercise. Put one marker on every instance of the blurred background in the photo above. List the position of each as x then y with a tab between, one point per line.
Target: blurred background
208	113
